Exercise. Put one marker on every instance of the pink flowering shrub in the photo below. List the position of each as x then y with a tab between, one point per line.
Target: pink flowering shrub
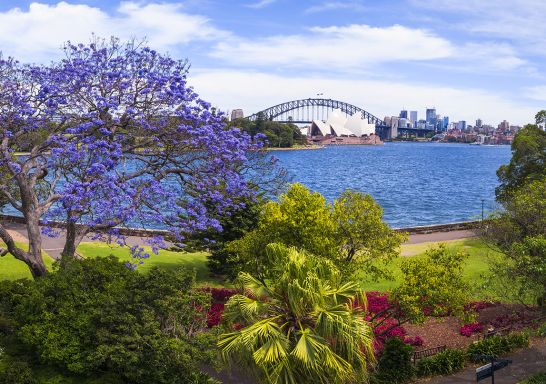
219	296
416	341
468	329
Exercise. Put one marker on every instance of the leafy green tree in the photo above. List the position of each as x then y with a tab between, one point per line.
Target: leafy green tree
304	327
519	232
364	240
435	283
97	316
528	161
350	232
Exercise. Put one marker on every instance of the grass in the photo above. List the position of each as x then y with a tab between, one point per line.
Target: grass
165	259
476	265
13	269
539	378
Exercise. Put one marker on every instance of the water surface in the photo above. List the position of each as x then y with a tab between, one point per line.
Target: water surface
416	183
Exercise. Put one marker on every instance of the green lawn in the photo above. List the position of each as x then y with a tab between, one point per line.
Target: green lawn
479	253
13	269
165	259
477	263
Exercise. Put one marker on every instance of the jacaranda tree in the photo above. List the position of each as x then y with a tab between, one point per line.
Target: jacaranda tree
304	327
112	135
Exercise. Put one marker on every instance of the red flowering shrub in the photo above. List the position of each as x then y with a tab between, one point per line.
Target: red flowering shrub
219	296
479	305
215	314
416	341
377	302
468	329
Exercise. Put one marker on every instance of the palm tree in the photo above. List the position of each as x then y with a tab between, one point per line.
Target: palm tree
304	327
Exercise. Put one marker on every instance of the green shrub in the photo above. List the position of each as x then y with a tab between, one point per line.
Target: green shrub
497	345
394	365
96	316
541	331
17	372
443	363
536	379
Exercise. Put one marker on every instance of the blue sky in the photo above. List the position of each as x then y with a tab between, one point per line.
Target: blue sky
470	59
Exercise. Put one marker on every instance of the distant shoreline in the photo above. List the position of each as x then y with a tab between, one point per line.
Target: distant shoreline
303	148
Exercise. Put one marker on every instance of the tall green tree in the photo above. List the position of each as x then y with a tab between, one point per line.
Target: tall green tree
519	232
303	327
350	232
528	161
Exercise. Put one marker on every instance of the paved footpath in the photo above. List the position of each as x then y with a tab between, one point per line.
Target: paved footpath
525	363
54	246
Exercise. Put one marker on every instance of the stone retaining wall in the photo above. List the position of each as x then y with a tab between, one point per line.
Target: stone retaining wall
465	225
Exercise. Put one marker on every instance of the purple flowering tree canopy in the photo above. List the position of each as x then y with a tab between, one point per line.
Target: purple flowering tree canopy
112	135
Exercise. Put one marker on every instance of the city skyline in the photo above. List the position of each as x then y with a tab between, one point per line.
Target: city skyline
468	59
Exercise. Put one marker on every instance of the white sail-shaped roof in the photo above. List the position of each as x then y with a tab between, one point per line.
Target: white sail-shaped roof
322	127
339	125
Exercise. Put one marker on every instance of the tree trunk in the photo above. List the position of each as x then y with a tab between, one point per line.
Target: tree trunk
34	263
73	238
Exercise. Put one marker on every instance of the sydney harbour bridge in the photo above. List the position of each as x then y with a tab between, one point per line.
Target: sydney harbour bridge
304	111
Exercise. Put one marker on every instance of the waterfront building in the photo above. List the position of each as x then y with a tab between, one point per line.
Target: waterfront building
504	126
339	125
237	114
413	117
431	116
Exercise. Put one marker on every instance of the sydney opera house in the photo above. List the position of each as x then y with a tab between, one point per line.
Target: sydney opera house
339	129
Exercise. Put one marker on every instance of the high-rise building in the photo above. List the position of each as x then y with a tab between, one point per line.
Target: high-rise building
479	123
403	114
446	123
413	116
237	114
504	125
461	125
431	115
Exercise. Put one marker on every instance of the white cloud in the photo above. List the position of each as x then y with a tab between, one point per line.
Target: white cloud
521	22
254	91
37	33
337	47
261	4
335	6
536	93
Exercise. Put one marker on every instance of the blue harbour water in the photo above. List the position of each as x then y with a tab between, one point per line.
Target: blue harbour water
415	183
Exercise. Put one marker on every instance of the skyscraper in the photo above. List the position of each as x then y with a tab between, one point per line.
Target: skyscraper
446	123
431	116
413	116
403	114
479	123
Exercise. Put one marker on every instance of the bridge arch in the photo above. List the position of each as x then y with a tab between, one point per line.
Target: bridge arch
280	112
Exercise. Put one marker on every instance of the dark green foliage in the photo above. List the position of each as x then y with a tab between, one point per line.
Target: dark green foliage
235	224
443	363
95	316
278	134
394	365
17	372
497	345
528	161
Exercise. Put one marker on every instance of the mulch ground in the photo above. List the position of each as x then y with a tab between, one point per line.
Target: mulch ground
445	330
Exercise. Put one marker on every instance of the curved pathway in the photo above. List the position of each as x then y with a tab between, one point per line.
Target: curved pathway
525	363
54	246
